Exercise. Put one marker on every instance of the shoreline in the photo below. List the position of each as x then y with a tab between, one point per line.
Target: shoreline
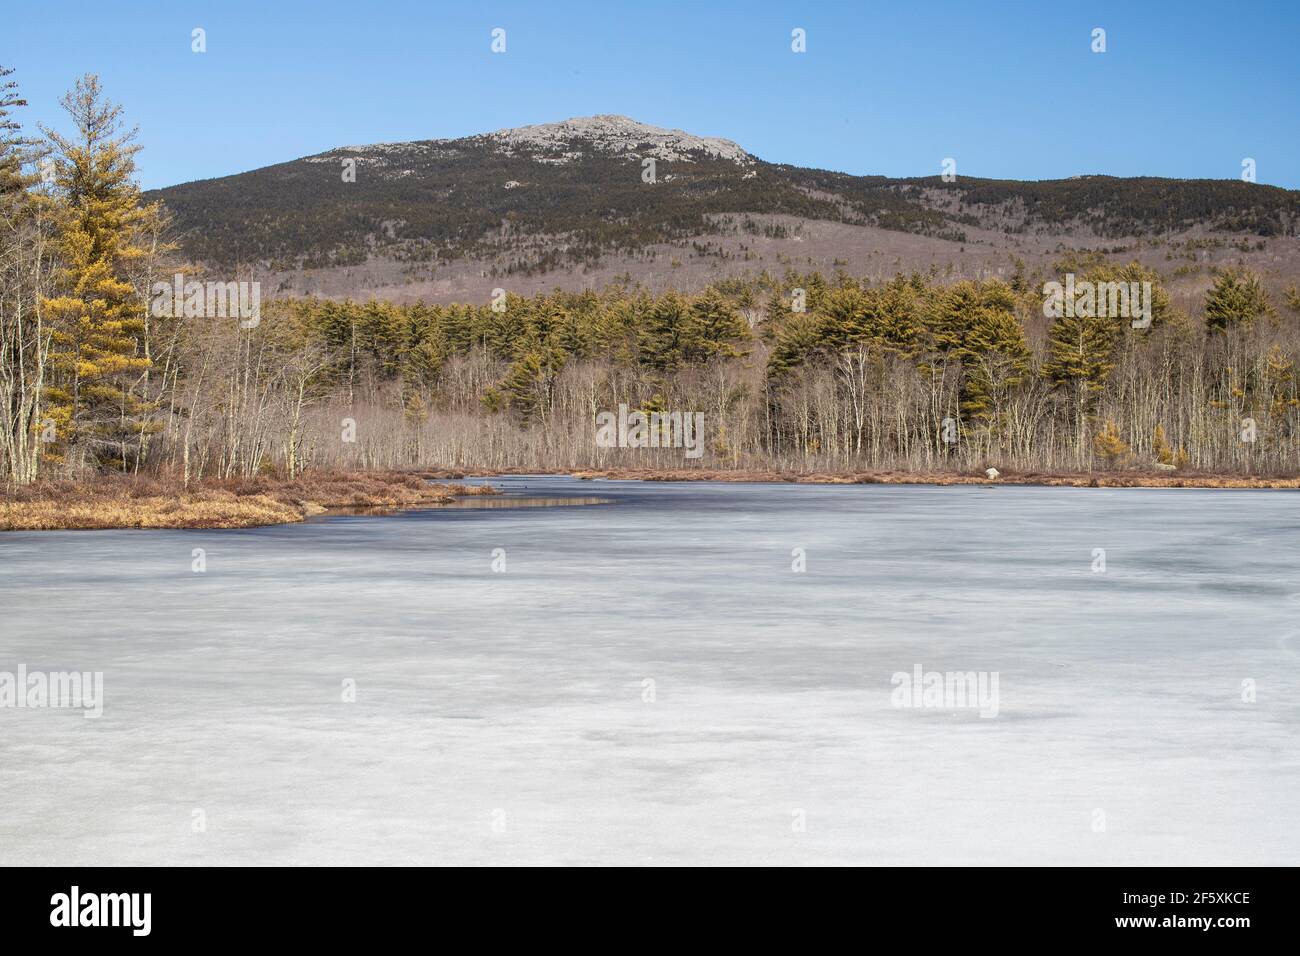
121	503
118	503
1112	479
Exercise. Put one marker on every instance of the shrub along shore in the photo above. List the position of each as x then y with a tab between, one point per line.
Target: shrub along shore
115	501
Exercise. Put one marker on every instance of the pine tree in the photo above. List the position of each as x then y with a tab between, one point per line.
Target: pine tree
1109	445
1236	299
799	338
715	329
14	182
528	386
1080	354
1162	311
974	323
995	360
98	314
897	322
1080	358
950	311
843	317
663	331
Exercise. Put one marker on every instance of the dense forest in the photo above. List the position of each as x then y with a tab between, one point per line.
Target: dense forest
1114	207
799	371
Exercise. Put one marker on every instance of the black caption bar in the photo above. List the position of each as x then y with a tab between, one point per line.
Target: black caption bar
140	906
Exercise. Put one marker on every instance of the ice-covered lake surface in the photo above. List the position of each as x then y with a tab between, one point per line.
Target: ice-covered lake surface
507	716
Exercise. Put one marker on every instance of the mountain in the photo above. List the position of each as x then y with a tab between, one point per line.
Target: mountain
572	198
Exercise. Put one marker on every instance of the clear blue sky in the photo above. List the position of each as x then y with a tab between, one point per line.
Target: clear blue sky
1009	90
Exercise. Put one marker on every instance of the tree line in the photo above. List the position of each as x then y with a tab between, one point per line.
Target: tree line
800	371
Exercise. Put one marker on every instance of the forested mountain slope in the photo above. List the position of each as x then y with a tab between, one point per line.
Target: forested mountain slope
571	197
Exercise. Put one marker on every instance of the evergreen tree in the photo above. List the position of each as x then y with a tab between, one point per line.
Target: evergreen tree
98	314
995	360
897	323
1236	299
421	354
974	323
950	312
1079	360
1080	355
1162	310
715	329
1109	445
799	338
663	331
844	315
528	386
14	149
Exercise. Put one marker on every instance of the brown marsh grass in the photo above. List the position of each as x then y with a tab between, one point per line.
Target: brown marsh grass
117	501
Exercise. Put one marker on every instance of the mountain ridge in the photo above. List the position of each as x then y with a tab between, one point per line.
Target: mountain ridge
567	196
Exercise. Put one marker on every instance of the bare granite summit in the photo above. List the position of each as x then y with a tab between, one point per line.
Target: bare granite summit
618	135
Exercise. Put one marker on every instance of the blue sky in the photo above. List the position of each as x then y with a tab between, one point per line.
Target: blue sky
1009	90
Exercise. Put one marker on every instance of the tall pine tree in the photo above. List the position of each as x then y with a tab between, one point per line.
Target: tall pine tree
97	313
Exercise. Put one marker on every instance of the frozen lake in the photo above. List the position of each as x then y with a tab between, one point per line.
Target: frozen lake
649	681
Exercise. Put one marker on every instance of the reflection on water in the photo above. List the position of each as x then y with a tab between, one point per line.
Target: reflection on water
510	501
